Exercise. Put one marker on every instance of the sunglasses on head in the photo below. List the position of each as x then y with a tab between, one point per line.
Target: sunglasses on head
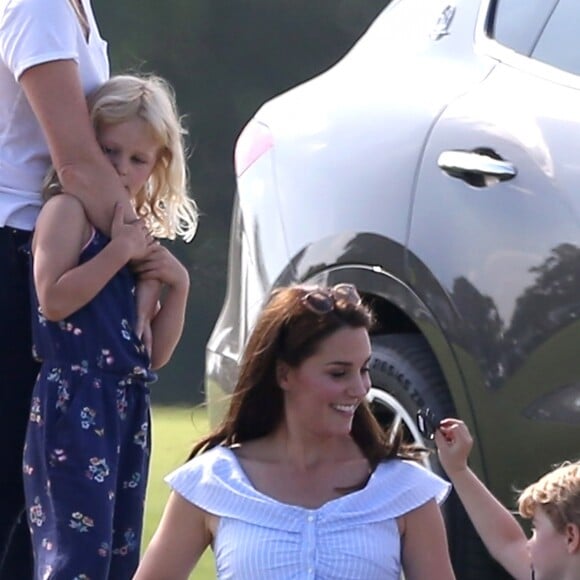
324	300
427	423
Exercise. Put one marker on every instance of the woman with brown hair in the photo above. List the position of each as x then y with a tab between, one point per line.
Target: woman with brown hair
300	481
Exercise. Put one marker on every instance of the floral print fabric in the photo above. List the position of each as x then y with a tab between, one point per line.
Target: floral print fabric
88	441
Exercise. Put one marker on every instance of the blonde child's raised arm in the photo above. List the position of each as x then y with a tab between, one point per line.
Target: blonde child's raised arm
499	530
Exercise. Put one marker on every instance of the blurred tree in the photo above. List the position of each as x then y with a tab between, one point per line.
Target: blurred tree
224	59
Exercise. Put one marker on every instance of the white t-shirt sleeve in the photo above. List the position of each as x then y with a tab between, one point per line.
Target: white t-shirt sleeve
37	31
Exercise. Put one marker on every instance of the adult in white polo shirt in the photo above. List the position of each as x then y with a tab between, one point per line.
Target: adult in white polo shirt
51	56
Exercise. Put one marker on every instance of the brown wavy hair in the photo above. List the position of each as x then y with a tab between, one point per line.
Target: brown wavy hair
288	331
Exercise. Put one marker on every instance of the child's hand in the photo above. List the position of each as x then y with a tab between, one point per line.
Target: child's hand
134	235
454	443
148	293
147	338
160	264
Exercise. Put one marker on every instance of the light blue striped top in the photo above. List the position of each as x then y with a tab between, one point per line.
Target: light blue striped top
353	537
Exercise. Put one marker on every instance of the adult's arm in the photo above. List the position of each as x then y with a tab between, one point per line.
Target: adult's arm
55	94
425	551
180	540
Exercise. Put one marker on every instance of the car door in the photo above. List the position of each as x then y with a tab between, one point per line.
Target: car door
494	241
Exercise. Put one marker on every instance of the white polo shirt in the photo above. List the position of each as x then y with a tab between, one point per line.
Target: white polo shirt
33	32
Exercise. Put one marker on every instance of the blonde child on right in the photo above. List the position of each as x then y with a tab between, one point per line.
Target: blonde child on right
552	503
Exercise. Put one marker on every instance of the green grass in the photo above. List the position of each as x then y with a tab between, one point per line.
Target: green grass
175	429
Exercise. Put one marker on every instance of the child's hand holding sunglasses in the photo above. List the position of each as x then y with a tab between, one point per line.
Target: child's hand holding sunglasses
454	443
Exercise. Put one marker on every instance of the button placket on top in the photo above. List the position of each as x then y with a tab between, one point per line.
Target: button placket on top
309	543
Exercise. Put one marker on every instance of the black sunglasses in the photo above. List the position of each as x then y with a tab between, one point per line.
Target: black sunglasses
324	300
427	423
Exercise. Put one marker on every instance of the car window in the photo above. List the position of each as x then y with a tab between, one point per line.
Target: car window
517	24
559	44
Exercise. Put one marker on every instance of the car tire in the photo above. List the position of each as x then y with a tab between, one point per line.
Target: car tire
406	377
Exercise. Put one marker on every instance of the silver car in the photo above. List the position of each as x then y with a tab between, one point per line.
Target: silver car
437	167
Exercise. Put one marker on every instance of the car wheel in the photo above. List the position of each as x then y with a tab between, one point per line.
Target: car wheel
405	377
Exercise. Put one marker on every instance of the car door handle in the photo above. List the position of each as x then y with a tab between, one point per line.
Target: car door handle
477	168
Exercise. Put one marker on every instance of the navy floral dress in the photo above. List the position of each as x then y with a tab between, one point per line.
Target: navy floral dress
88	441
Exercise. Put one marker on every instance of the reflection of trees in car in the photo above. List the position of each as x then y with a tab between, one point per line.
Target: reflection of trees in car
552	303
485	323
546	307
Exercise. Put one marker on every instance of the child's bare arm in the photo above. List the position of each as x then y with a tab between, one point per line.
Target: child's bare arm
497	527
148	293
63	285
167	324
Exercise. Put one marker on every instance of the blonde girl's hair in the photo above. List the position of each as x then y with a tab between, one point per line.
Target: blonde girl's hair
164	201
557	493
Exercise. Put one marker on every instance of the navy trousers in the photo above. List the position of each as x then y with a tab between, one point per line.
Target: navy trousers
17	375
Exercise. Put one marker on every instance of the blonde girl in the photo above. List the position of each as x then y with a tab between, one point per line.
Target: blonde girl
87	443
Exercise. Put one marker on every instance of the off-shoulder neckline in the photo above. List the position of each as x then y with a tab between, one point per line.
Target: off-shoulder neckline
327	504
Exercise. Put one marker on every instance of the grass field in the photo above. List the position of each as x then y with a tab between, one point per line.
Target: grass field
175	429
